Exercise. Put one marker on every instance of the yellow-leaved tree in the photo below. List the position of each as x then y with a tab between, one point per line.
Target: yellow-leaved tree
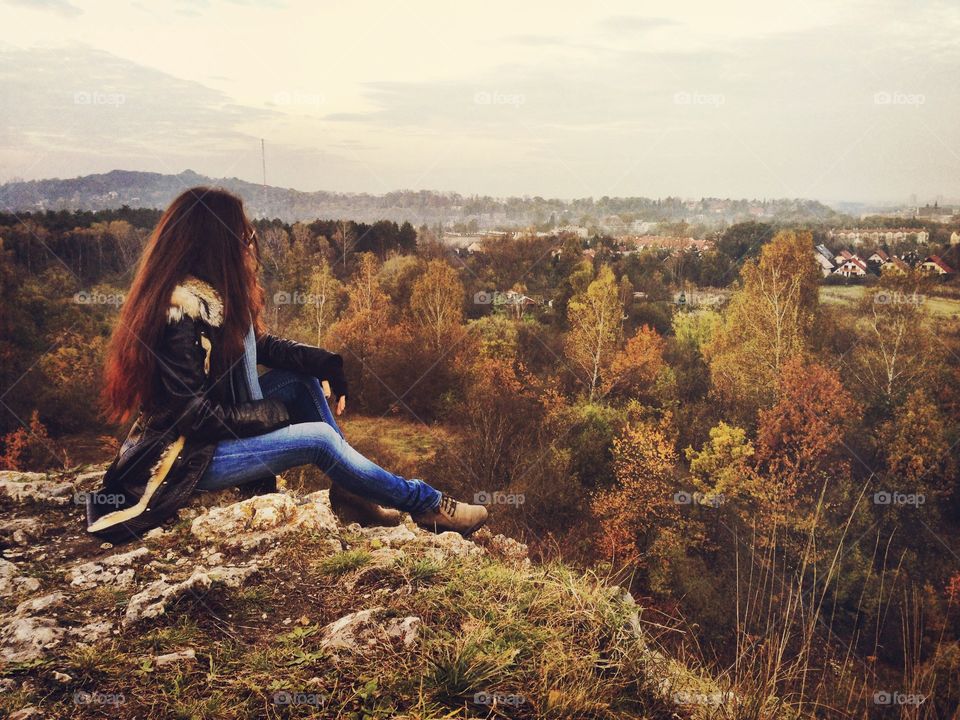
436	304
640	508
596	318
767	323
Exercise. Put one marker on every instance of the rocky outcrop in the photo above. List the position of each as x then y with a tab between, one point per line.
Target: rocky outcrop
154	599
263	519
365	631
113	570
381	594
19	486
11	581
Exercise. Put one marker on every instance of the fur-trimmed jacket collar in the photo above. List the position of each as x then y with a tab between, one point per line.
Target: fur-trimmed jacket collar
195	299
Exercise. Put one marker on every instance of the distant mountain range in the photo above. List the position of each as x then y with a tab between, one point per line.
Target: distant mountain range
155	190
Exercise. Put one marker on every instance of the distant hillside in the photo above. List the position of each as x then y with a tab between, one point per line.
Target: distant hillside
155	190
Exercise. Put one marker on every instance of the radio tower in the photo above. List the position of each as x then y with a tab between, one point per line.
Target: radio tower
263	162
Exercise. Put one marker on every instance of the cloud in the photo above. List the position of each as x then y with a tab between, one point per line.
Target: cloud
81	110
635	23
62	7
787	113
65	98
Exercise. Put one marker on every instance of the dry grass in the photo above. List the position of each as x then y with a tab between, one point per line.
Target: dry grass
546	642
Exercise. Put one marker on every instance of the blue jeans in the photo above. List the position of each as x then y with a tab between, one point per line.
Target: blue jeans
314	438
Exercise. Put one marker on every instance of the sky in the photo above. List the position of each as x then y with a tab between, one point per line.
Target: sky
830	100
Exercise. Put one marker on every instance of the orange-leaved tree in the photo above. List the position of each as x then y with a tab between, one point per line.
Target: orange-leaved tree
800	443
641	506
638	367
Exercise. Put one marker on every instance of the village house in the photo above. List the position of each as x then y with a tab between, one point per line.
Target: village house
878	257
580	232
851	266
935	265
858	236
895	266
824	259
637	243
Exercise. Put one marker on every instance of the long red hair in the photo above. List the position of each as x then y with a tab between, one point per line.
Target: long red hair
204	233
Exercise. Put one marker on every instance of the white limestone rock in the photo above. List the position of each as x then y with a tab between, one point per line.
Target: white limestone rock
113	570
188	654
391	537
23	486
20	531
253	522
24	636
365	631
11	581
153	600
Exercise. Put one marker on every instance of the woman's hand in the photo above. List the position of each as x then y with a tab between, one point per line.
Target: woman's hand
341	403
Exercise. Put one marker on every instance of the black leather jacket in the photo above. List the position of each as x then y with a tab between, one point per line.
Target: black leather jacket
169	447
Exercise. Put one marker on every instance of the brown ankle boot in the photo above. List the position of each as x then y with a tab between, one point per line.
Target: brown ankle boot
452	515
352	508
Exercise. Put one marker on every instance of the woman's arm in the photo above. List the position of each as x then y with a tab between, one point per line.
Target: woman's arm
284	354
182	379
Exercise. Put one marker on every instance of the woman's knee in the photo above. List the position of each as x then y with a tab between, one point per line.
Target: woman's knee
321	434
325	442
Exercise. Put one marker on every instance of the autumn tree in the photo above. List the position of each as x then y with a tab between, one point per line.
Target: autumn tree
637	367
397	276
801	441
595	318
641	504
692	332
896	352
766	324
367	335
343	240
323	291
497	432
30	448
436	303
916	448
723	467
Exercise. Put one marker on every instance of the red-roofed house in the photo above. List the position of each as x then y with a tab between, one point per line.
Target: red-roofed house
936	266
851	267
896	265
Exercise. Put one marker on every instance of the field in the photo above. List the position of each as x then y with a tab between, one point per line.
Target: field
851	294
